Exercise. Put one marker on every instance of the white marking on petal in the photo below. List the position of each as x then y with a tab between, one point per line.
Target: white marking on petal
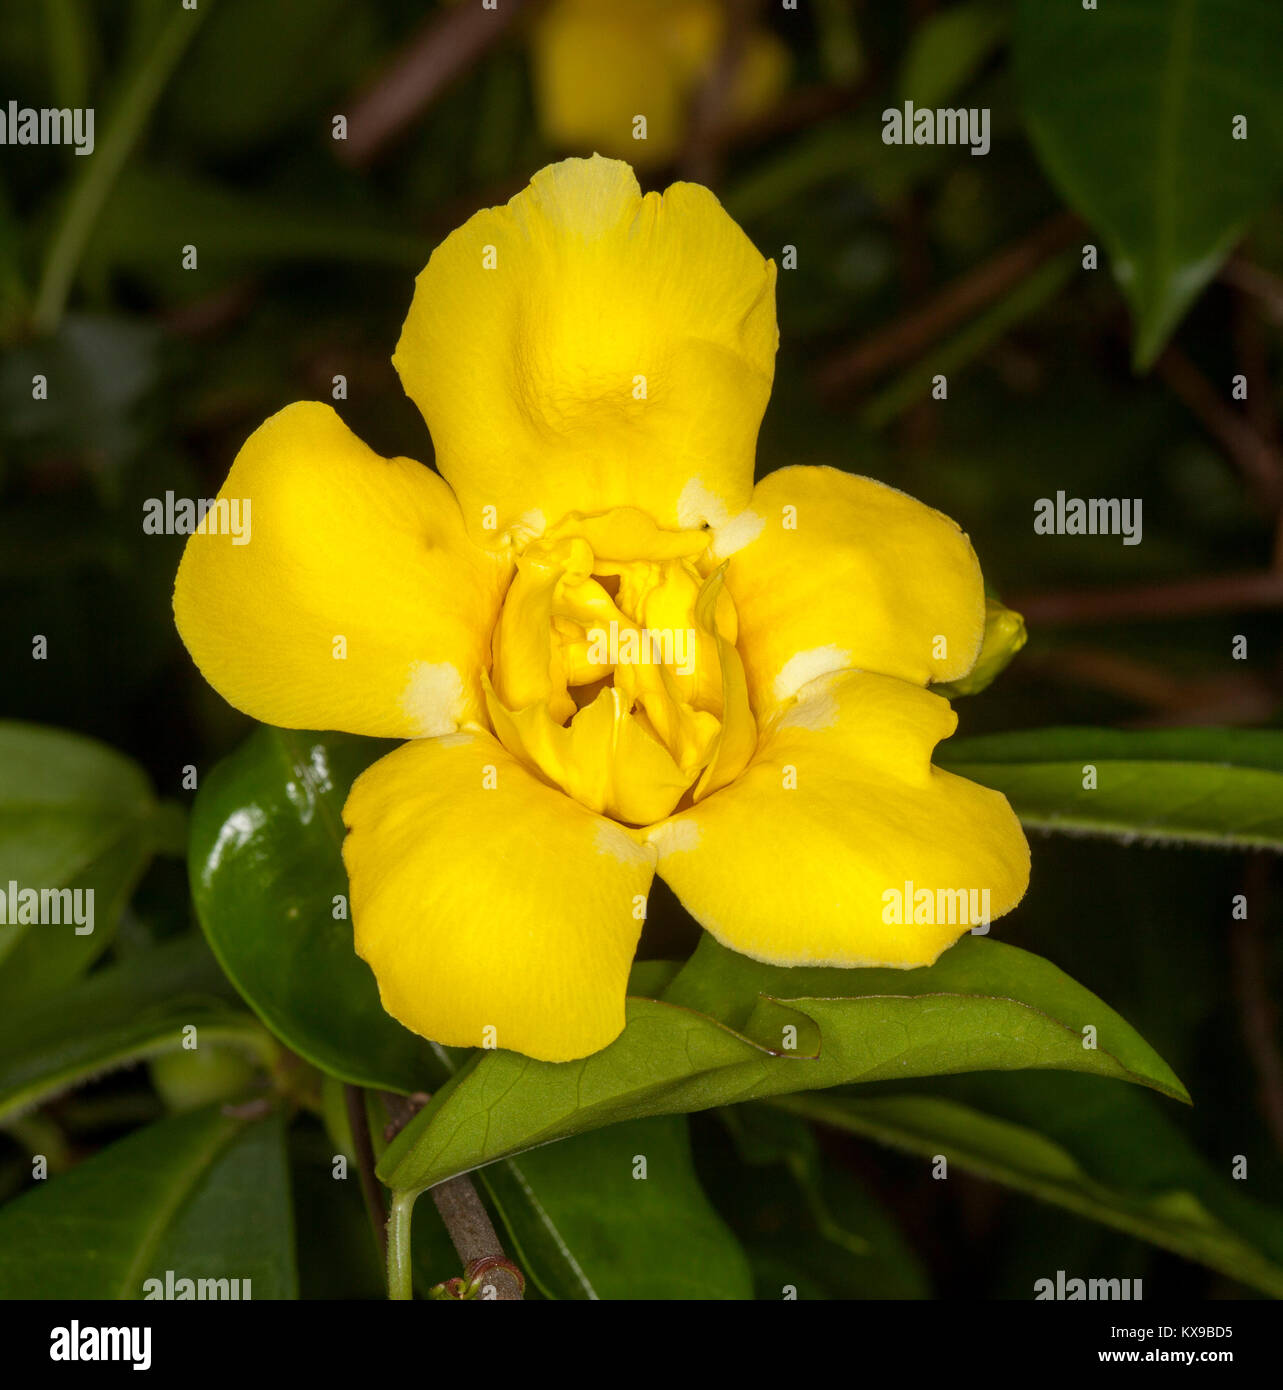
615	843
818	711
736	534
698	505
675	836
807	666
458	740
433	698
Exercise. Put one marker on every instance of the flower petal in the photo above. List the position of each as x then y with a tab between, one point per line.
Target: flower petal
618	352
790	864
341	544
832	571
484	899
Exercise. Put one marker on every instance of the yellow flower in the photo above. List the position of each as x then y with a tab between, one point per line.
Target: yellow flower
600	64
611	654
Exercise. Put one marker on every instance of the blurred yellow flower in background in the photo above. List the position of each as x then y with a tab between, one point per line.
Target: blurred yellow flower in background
600	64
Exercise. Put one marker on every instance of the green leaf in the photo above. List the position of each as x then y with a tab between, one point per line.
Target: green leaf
582	1226
138	93
68	36
152	213
1107	1153
109	366
585	1225
1131	108
203	1194
322	44
74	814
267	878
766	1136
338	1255
1221	787
119	1016
948	49
810	1228
730	1029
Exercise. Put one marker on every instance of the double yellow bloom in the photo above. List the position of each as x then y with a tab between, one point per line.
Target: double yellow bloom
611	654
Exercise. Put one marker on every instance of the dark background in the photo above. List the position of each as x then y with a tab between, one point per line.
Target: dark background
306	257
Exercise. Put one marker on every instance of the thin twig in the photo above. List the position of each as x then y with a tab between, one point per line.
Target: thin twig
401	1110
1098	668
800	110
211	313
1255	459
473	1234
1250	965
1181	598
471	1231
443	49
1263	285
1251	348
708	126
915	331
1168	698
371	1188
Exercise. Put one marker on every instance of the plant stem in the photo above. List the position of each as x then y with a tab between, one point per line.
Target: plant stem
471	1231
916	331
400	1278
1265	287
473	1234
139	95
701	160
449	43
1254	457
371	1188
1250	966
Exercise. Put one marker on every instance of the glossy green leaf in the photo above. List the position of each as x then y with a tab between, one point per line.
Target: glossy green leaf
203	1194
587	1221
1107	1153
1221	787
74	814
119	1016
730	1029
1131	106
271	893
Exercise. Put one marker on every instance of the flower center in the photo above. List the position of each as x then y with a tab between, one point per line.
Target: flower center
615	674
